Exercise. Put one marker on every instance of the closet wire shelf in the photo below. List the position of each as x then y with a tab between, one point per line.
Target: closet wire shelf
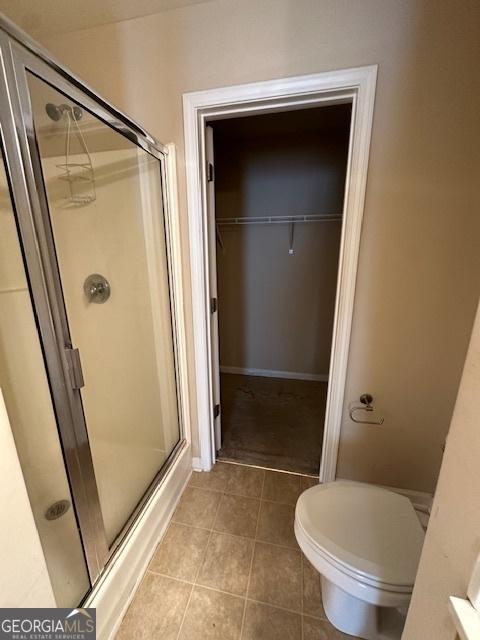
244	220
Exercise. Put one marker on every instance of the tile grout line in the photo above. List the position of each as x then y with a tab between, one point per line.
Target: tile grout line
236	535
251	559
263	484
236	595
169	526
222	493
198	571
261	500
185	611
277	606
272	544
301	591
240	495
265	470
259	509
256	466
132	602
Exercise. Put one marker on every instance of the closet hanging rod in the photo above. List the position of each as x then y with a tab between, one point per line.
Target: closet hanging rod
277	219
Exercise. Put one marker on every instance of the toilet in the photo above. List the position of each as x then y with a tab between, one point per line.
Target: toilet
366	543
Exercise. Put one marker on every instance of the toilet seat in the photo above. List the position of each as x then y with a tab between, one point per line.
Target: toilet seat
365	539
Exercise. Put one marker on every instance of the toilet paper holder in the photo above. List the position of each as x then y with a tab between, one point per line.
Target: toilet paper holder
366	400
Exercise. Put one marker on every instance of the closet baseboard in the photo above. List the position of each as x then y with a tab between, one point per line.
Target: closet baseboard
268	373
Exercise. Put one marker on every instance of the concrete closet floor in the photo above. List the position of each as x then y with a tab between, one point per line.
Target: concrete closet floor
229	567
273	422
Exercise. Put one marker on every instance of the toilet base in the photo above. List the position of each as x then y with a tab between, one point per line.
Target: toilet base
359	618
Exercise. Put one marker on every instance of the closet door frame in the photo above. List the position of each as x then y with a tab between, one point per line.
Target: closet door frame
355	86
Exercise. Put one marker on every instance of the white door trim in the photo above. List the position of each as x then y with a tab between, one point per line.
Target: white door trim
212	280
352	85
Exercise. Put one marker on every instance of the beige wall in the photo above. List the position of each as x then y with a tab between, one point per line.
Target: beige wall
418	274
452	543
276	309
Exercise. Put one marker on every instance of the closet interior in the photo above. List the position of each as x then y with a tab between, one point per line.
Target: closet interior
279	181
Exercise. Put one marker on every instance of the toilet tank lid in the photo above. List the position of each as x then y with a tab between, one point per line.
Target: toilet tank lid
371	531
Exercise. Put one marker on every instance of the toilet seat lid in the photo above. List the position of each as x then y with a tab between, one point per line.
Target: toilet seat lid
373	532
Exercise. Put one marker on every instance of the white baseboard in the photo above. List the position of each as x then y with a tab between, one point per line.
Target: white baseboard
270	373
417	498
116	588
197	464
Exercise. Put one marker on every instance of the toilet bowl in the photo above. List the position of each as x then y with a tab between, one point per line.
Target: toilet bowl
366	543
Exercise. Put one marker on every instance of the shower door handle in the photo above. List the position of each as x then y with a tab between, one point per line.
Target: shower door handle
75	368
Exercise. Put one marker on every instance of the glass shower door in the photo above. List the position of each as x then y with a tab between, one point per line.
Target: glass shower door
108	247
24	385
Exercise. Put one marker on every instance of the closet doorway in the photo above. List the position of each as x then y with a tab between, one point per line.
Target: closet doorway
276	185
203	111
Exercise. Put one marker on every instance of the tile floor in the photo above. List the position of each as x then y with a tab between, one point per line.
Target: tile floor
229	567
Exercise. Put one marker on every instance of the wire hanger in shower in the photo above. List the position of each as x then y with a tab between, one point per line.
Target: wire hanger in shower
79	175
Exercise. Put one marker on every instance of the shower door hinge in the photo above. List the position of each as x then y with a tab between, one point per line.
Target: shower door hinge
213	305
210	172
216	411
75	368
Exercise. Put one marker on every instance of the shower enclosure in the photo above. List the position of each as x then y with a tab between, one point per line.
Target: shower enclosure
88	331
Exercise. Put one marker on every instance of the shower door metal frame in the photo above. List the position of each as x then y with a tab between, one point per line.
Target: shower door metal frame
20	55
